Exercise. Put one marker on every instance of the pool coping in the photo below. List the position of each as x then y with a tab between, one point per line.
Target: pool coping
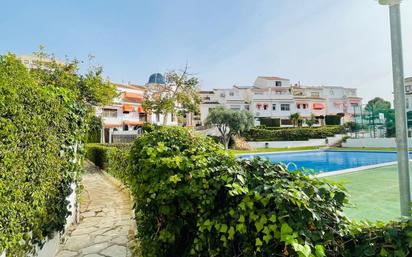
336	172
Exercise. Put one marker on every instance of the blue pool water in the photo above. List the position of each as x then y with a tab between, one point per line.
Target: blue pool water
326	160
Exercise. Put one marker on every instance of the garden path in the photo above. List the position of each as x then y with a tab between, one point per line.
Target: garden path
106	226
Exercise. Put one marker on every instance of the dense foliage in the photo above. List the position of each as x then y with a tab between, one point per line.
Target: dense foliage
333	120
41	134
113	158
292	134
193	199
94	131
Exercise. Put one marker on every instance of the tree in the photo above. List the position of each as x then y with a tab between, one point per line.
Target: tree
91	88
178	93
312	121
378	105
230	122
295	118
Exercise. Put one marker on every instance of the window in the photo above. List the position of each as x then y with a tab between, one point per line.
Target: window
258	106
285	107
314	94
222	94
302	106
206	98
274	107
109	113
265	107
231	93
278	83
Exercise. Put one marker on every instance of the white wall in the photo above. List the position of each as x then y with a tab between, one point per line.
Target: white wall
372	142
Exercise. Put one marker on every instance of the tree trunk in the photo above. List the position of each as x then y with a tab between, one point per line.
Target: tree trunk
226	141
164	119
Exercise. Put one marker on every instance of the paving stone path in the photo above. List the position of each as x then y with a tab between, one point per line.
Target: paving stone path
106	227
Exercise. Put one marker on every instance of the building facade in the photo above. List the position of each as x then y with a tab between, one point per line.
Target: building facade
275	99
125	115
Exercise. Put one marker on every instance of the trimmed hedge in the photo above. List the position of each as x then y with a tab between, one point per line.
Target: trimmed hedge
113	158
41	134
292	134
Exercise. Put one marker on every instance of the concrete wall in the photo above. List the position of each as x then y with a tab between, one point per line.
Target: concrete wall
291	144
52	244
372	142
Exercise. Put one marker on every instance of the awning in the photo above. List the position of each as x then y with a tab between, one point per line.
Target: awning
134	96
140	109
133	122
354	101
112	125
318	106
127	107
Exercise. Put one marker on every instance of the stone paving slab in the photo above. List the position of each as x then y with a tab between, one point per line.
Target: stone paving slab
106	226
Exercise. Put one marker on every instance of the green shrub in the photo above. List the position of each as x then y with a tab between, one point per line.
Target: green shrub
175	178
333	119
98	154
292	134
192	199
41	134
113	158
94	130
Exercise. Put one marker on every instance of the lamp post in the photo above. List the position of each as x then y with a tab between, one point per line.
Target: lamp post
400	107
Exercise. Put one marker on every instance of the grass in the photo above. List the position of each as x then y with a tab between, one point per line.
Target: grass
267	150
374	193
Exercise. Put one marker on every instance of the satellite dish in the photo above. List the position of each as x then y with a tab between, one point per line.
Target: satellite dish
389	2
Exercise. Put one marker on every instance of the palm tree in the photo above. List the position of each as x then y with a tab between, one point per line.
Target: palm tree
295	118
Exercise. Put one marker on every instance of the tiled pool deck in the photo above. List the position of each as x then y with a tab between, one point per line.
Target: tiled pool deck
374	193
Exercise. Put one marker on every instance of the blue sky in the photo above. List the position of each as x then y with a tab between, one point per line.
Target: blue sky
318	42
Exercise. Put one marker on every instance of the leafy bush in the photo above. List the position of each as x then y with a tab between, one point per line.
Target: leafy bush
332	119
113	158
98	154
193	199
175	178
41	134
94	129
292	134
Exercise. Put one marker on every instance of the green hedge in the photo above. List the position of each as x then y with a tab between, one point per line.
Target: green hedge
292	134
333	120
112	158
41	134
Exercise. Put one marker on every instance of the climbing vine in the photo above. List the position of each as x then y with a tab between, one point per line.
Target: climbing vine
41	134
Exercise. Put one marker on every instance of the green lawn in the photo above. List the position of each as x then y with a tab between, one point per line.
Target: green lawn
374	193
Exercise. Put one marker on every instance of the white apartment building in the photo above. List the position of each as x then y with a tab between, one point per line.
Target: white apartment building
125	116
276	98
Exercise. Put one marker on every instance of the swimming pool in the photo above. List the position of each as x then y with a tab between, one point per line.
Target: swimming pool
327	160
